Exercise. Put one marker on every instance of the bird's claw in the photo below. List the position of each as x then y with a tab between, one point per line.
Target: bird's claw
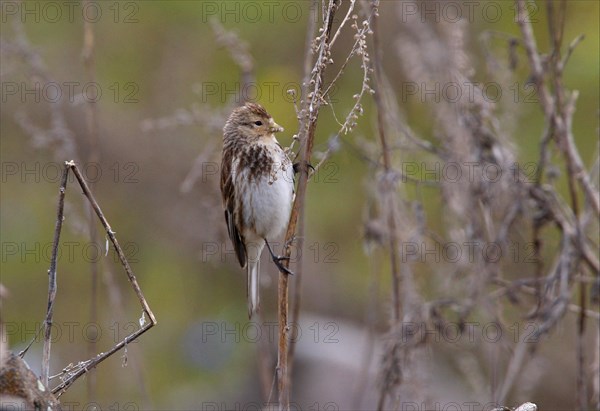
296	167
277	259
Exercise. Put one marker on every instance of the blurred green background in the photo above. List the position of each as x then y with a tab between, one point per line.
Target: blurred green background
157	63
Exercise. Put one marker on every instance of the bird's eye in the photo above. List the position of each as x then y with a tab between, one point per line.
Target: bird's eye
258	123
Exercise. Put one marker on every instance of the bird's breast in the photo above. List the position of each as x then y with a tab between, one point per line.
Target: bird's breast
266	189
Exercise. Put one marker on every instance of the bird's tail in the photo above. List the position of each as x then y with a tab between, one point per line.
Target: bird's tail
253	270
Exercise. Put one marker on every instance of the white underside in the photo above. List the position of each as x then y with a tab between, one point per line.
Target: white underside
266	211
268	204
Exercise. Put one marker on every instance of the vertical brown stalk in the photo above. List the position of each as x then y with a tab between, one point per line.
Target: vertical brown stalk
307	142
310	33
52	279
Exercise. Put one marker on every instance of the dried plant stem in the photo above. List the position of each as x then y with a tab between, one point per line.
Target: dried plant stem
113	239
578	170
52	278
310	33
559	107
83	367
553	113
307	141
282	353
297	293
535	61
92	363
343	23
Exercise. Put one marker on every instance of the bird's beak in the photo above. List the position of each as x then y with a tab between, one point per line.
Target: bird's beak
274	127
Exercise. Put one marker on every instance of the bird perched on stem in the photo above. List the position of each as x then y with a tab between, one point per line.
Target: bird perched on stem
257	188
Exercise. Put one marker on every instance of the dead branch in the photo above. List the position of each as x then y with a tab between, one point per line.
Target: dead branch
307	141
310	34
113	239
52	277
72	373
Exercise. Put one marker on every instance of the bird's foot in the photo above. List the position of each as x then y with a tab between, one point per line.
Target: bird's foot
297	167
277	259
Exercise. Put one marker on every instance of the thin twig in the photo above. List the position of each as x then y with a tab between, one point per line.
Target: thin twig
92	363
359	48
524	22
558	109
113	239
570	50
115	296
52	278
550	110
144	326
343	23
509	287
578	169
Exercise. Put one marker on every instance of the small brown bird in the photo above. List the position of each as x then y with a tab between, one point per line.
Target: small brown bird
257	187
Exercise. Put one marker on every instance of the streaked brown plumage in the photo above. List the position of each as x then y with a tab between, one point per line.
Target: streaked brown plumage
257	188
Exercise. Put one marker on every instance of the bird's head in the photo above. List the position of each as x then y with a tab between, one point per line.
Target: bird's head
250	122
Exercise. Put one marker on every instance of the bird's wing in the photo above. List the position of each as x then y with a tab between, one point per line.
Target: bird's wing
229	200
